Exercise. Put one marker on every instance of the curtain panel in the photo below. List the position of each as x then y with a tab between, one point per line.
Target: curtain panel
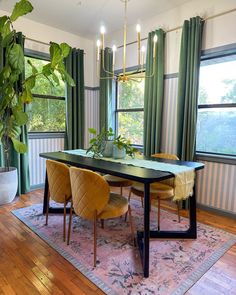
154	94
105	93
187	100
74	137
20	161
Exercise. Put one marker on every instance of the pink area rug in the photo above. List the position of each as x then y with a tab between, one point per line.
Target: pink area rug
175	265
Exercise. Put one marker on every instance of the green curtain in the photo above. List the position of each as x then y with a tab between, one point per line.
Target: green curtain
74	137
189	65
20	161
154	94
105	94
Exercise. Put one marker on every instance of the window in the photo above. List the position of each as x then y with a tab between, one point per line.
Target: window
47	111
216	126
129	110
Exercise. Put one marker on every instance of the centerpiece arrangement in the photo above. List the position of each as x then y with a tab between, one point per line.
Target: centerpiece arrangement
105	144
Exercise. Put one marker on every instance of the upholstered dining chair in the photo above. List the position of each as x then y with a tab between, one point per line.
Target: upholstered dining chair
92	200
115	181
59	187
158	190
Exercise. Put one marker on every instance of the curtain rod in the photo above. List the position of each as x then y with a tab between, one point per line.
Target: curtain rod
40	42
180	27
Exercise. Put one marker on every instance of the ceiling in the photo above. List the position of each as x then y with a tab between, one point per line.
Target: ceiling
84	17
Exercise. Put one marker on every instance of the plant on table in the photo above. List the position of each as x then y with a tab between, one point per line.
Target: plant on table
122	143
13	99
98	143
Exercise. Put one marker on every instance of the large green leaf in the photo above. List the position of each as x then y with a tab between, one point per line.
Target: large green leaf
6	29
3	19
26	96
65	48
8	39
21	118
55	54
19	146
16	57
21	8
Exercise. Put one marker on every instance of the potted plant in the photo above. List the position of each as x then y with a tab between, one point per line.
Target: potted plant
16	92
101	144
123	147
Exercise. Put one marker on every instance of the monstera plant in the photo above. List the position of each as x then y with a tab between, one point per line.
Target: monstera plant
15	90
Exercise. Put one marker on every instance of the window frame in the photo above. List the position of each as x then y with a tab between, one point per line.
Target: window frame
40	134
128	110
209	54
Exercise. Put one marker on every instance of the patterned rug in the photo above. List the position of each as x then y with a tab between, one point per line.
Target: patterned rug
175	265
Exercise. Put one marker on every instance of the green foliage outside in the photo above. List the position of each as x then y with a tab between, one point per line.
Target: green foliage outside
130	124
216	128
46	115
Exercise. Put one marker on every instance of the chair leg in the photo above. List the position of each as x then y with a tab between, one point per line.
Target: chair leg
129	203
142	202
70	221
95	239
178	210
64	221
131	225
47	209
102	223
158	214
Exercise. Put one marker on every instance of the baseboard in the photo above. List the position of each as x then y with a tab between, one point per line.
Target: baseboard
217	211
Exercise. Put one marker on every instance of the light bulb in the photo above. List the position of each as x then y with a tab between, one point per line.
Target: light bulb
155	39
98	43
138	28
114	48
143	49
102	30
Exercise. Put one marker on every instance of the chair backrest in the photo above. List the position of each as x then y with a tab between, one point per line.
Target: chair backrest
58	181
166	156
90	192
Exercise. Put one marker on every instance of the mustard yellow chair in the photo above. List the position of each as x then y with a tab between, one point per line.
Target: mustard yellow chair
115	181
158	190
59	187
92	200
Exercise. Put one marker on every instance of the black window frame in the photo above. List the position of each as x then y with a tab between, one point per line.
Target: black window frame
214	53
40	134
117	110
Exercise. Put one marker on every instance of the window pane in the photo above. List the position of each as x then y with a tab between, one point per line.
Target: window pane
43	86
218	81
130	125
130	94
216	132
47	115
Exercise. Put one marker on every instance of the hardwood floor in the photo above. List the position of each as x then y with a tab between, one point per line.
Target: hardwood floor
29	266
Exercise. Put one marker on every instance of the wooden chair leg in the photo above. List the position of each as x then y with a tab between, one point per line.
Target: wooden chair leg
69	226
64	221
47	209
158	214
131	225
95	239
142	203
129	203
178	210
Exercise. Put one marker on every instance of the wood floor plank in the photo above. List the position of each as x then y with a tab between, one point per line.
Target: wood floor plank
30	266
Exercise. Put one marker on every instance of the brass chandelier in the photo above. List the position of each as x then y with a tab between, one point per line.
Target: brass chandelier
124	76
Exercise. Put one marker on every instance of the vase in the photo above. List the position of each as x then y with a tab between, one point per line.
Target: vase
8	185
108	151
118	153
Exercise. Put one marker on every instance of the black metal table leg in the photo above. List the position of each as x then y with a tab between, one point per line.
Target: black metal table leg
146	234
45	194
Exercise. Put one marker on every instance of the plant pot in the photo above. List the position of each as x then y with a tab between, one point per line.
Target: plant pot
118	153
8	185
108	151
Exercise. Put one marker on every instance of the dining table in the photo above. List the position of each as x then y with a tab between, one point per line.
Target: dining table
144	175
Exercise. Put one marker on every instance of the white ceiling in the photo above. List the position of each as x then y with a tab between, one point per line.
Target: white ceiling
84	17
